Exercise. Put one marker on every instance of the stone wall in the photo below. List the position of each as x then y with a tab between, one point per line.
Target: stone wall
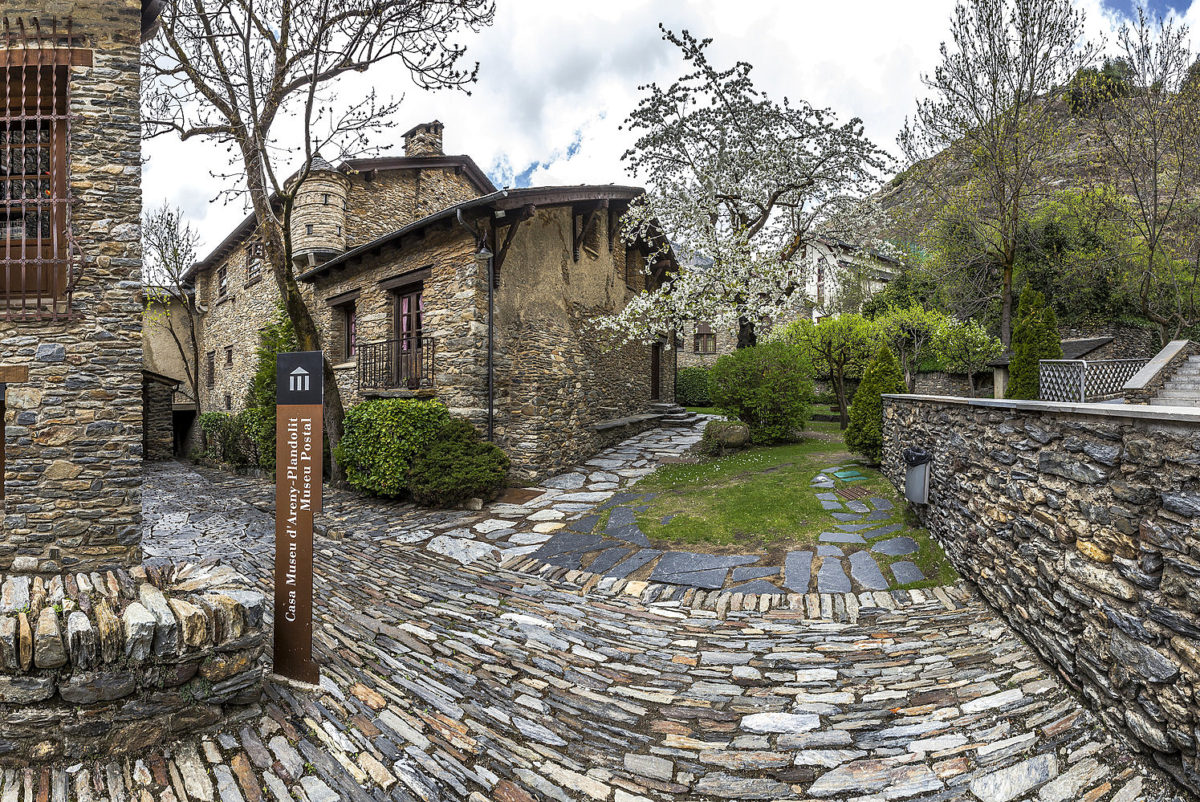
1129	342
158	432
114	662
689	357
936	382
1081	525
384	200
74	440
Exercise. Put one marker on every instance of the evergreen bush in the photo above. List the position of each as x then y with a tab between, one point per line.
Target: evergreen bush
457	465
1035	337
691	387
258	421
864	435
767	386
383	437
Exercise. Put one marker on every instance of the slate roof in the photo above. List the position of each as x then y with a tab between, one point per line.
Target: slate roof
1072	349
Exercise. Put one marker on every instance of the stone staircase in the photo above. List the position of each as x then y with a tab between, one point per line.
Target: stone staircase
1183	388
673	414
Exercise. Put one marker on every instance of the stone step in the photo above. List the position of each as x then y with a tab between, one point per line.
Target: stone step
680	421
1170	392
1175	402
1189	385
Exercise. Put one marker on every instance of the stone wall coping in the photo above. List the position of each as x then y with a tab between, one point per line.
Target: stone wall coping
1146	412
1160	360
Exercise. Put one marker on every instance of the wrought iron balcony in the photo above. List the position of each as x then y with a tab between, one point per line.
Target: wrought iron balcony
403	364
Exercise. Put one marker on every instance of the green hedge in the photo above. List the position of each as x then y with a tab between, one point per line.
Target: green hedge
238	439
768	387
691	387
457	465
383	437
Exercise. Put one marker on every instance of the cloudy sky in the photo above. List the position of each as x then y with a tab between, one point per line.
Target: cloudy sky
557	79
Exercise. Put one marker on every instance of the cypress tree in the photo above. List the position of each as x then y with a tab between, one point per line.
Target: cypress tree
864	435
1035	337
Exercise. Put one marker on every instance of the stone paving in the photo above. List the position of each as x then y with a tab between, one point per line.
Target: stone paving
444	680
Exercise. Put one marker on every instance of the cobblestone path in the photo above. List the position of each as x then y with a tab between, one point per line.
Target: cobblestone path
444	681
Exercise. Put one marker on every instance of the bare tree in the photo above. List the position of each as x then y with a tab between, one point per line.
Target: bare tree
240	72
990	110
1149	144
169	249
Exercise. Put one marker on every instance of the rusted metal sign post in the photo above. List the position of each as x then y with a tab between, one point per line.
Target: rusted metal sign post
299	395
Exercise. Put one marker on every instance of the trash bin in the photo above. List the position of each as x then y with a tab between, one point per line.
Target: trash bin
916	478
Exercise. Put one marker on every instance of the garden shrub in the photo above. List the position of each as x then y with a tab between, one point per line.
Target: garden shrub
457	465
258	421
768	387
1035	337
222	437
864	435
691	387
383	437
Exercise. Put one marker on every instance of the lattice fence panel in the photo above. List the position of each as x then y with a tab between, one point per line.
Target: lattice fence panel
1080	380
1106	378
1060	379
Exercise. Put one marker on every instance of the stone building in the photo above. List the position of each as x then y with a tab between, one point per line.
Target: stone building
98	654
70	322
387	251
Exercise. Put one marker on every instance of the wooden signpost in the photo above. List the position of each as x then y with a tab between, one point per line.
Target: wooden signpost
299	396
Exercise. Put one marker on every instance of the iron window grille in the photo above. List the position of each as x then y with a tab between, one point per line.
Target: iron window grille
40	263
254	260
212	369
229	356
222	281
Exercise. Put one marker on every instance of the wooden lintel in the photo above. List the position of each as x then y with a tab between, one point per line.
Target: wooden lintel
14	374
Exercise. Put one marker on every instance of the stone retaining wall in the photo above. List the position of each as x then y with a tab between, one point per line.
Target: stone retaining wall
1081	525
110	663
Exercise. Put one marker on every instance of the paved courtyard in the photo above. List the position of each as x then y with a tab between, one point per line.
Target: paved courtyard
444	680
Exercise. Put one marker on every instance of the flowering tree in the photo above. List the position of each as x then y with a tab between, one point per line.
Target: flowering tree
909	331
745	182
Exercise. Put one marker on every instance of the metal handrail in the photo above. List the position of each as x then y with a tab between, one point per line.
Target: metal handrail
401	364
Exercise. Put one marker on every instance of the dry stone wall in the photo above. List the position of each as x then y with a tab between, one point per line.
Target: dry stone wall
73	436
1081	525
158	433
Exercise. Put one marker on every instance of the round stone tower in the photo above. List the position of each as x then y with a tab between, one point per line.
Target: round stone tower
319	216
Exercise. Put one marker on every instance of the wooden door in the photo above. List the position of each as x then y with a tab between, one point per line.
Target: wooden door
655	371
409	323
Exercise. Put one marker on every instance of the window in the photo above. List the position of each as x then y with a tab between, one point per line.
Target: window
222	281
308	229
705	340
212	369
350	324
228	401
35	257
325	198
229	356
254	260
339	231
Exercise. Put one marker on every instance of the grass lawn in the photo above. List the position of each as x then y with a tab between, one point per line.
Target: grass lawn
704	410
760	500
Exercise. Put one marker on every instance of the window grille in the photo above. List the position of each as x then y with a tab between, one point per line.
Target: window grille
39	259
222	281
254	259
228	356
212	369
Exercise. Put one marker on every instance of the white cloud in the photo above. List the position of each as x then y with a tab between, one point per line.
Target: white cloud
553	74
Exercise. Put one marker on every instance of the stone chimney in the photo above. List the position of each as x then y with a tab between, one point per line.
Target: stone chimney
424	140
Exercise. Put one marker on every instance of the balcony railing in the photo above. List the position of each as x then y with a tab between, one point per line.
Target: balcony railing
404	364
1084	381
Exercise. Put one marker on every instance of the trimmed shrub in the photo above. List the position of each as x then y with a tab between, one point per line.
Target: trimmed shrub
457	465
722	436
383	437
1035	337
864	435
222	437
768	387
691	387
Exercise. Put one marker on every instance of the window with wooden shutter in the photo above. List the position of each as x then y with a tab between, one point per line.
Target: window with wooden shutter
39	263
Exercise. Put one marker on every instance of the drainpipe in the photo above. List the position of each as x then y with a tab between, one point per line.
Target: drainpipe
484	254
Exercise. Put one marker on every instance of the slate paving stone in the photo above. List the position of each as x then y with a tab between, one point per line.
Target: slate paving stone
830	505
842	537
566	543
847	516
880	503
631	534
745	572
680	562
906	572
865	571
585	524
852	527
896	546
857	506
708	579
829	551
639	559
797	571
827	496
607	559
878	515
881	531
620	516
831	578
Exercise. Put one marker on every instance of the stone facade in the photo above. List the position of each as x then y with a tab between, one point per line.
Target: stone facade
381	201
554	377
691	342
937	382
1081	525
73	433
158	431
